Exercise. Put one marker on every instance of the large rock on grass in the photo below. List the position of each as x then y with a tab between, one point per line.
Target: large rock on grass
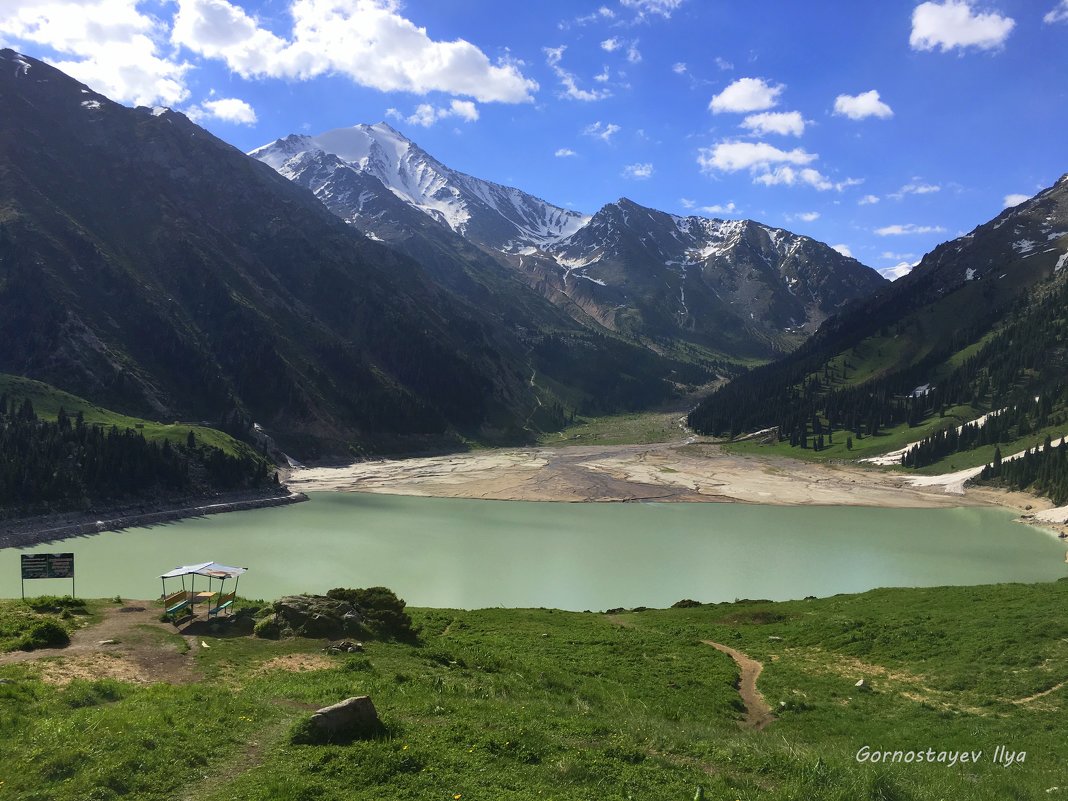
351	719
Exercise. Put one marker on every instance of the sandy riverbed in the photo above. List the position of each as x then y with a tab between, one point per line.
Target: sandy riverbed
679	471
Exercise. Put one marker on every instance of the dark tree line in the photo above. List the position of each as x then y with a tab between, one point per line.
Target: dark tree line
1043	471
67	464
1002	426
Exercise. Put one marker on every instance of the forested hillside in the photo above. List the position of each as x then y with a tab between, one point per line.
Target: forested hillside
980	328
68	464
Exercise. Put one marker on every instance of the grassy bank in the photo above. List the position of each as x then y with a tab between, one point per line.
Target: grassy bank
642	428
536	704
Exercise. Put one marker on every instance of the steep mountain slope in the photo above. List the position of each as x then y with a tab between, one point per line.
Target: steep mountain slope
148	266
734	288
980	321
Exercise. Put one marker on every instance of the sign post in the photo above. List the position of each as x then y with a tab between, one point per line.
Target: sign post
47	566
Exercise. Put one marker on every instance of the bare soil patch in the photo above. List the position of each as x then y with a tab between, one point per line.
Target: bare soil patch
297	663
129	644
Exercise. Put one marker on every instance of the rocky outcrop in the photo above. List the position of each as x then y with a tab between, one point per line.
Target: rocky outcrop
311	616
351	719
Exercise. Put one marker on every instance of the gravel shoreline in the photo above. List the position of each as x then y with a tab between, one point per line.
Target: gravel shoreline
56	527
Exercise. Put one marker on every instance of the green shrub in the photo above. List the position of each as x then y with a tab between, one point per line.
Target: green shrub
268	628
382	611
82	693
685	603
357	664
44	634
53	603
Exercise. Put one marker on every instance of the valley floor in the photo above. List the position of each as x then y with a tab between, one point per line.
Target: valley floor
685	470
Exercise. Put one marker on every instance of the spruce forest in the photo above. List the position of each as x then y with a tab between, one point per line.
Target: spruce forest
66	464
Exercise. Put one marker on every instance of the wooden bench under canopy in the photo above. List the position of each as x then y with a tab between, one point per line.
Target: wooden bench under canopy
177	602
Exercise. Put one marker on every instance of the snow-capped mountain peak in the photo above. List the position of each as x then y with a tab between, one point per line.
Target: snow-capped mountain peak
498	217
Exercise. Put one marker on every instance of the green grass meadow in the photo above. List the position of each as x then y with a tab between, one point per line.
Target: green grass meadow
543	704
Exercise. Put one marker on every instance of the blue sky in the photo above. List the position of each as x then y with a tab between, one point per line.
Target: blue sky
884	127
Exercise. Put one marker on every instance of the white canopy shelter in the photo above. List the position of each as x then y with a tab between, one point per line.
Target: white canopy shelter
211	569
217	601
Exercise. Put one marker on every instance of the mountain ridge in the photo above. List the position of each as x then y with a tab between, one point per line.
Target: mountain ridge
625	268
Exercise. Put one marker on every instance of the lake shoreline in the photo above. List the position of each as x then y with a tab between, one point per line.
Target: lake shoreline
684	471
21	533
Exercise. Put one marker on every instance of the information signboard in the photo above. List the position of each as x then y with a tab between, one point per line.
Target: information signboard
48	566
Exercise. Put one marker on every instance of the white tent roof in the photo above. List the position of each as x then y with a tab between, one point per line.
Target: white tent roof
211	569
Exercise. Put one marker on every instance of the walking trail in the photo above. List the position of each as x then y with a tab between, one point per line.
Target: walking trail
757	712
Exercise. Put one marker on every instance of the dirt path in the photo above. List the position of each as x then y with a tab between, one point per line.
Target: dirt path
128	644
1042	694
757	712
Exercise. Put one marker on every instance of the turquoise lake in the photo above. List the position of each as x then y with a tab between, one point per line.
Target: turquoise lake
470	554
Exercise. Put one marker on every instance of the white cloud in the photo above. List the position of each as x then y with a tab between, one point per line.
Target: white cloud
768	164
844	250
227	109
788	176
787	123
603	75
859	107
720	208
661	7
868	200
746	94
572	91
367	41
686	203
604	132
805	216
679	68
565	152
954	23
426	114
638	171
1016	200
602	13
903	230
914	189
735	156
110	46
888	255
723	64
634	56
1058	13
897	271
